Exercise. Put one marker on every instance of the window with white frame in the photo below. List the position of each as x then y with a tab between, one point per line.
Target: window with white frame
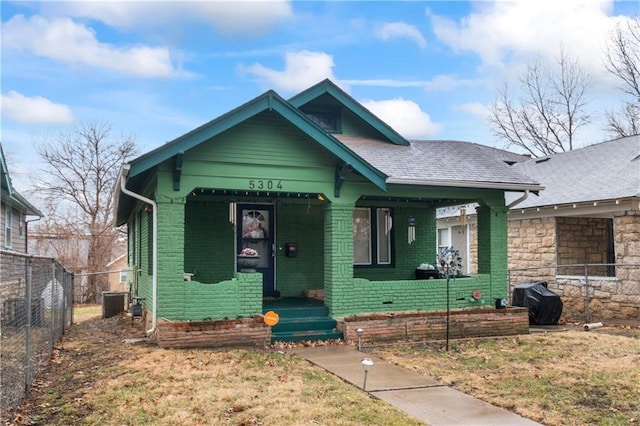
8	226
372	236
123	276
23	220
444	238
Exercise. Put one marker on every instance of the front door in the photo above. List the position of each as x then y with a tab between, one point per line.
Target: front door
255	229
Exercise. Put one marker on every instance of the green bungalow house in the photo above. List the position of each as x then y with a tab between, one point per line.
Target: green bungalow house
334	201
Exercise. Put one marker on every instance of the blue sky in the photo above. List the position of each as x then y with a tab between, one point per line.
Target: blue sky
155	70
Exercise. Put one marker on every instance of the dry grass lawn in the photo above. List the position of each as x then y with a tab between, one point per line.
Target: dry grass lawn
96	379
555	378
559	378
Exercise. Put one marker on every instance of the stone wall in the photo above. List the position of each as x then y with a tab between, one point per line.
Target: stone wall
483	322
532	244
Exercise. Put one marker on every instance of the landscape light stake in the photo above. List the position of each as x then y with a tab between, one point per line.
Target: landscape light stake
359	332
367	363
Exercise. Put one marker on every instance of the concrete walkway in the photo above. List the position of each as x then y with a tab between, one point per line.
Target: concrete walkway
419	396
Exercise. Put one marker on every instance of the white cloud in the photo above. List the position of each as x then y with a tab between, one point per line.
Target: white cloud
474	108
34	110
65	41
501	31
236	18
440	82
301	70
401	30
404	116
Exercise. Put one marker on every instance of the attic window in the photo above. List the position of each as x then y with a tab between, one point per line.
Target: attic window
327	120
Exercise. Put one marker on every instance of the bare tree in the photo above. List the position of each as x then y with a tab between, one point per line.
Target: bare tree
622	59
81	169
550	109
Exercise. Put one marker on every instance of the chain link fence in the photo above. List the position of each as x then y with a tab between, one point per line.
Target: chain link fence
590	291
36	298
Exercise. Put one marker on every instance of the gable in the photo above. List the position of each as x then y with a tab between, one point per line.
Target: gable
327	93
12	197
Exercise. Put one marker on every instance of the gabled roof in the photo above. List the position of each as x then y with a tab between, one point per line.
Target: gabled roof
441	163
603	171
328	87
270	100
12	196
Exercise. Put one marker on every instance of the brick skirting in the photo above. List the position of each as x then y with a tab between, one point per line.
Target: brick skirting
433	325
209	334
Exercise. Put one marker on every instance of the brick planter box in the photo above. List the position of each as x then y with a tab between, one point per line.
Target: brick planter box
433	325
221	333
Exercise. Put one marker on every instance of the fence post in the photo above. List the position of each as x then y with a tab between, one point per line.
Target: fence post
587	314
27	360
52	327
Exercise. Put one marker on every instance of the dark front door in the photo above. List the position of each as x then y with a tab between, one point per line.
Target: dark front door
255	229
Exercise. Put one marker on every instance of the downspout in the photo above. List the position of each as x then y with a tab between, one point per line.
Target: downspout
154	266
519	200
26	232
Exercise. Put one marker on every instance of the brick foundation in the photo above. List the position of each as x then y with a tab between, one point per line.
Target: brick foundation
432	325
223	333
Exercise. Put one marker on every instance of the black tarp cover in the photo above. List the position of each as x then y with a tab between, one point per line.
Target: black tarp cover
545	307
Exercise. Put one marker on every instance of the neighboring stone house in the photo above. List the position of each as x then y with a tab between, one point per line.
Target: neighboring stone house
14	212
334	201
587	214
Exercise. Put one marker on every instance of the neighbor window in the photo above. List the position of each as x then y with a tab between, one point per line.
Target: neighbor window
23	220
444	240
123	276
372	236
8	226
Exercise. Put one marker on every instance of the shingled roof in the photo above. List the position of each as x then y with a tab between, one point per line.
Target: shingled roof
446	163
603	171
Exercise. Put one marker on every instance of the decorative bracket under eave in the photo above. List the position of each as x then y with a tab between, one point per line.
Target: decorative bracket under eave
340	176
177	170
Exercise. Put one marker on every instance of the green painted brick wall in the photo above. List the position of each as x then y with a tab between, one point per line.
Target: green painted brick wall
415	295
302	224
338	253
171	254
208	241
407	256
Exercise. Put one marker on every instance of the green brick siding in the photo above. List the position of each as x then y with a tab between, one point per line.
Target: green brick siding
144	248
239	296
407	256
492	247
171	255
208	241
338	254
414	295
302	224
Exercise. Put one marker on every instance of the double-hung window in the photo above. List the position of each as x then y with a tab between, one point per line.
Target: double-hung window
372	236
8	227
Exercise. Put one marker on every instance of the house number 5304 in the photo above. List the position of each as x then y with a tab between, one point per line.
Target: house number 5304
265	184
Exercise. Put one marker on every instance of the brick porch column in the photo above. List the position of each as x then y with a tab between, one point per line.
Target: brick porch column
170	258
338	258
493	247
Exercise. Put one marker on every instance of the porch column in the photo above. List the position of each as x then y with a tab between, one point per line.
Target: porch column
493	247
170	258
338	258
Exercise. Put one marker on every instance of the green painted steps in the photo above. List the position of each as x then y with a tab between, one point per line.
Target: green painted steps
301	320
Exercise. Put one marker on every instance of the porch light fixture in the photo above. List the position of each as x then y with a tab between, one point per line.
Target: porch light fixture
367	364
359	332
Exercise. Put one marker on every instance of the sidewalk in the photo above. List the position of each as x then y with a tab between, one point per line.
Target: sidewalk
419	396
